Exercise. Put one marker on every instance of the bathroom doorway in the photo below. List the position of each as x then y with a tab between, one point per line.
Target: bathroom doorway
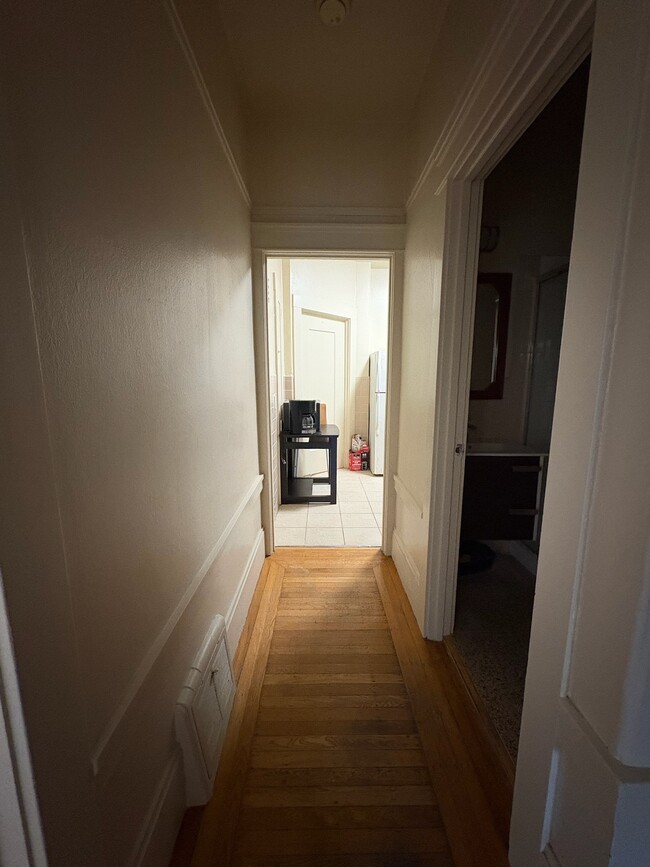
525	246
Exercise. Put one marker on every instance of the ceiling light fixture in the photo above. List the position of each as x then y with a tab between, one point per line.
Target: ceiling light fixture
333	12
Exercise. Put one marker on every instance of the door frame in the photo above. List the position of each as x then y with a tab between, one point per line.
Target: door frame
297	311
294	250
493	134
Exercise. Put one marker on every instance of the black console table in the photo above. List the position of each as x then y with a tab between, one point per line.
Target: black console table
300	489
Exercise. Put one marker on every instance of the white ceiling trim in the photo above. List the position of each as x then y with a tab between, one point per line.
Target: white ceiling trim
204	93
327	237
326	214
515	64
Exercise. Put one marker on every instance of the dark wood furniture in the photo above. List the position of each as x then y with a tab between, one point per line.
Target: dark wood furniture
300	489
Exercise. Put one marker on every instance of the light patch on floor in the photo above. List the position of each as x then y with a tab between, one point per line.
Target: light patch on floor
353	521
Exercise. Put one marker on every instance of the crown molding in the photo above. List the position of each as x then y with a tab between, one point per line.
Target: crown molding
328	237
528	56
206	99
324	214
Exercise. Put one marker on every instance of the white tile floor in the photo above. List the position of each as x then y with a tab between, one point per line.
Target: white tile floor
354	521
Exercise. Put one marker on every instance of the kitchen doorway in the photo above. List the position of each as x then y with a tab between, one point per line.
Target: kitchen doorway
327	346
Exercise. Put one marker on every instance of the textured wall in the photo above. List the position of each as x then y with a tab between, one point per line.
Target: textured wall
138	253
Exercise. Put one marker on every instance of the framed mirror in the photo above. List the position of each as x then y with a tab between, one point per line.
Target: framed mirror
490	341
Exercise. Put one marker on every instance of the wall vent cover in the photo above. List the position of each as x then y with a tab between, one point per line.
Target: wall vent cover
202	711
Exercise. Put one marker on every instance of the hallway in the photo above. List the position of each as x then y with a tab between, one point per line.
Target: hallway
351	740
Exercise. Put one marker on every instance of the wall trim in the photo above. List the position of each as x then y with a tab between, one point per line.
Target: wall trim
236	614
529	54
406	496
324	214
327	237
405	563
149	659
149	827
206	99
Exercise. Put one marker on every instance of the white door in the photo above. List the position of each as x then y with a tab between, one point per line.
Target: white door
320	374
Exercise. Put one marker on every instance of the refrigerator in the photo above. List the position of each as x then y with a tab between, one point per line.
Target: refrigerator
377	426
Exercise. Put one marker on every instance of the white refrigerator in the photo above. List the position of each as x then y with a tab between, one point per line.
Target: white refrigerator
377	427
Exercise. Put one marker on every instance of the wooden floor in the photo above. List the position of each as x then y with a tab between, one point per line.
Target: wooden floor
352	740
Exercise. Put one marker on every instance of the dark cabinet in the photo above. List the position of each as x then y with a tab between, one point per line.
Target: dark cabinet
501	496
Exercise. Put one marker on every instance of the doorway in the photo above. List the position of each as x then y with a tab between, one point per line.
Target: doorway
331	350
525	244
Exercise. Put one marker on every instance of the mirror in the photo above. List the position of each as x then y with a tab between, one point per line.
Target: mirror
490	336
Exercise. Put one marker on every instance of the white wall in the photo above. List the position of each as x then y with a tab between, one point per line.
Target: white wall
130	508
530	196
322	164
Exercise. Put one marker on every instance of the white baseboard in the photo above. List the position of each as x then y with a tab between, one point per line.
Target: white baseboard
158	832
236	616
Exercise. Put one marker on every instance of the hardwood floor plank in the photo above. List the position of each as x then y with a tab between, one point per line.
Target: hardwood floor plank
345	677
331	609
335	777
336	709
342	637
329	726
319	758
293	604
332	658
255	819
413	859
313	704
333	796
371	666
389	686
263	743
300	646
325	622
328	578
315	841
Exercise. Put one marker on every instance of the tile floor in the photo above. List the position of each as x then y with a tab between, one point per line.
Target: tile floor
354	521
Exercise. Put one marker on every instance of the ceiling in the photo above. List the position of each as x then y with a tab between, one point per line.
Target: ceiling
369	69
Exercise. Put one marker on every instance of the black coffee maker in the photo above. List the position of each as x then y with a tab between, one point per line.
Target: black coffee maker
301	416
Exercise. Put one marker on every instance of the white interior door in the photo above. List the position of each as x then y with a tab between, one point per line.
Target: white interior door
320	374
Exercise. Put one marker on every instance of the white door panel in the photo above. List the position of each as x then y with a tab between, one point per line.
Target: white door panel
321	375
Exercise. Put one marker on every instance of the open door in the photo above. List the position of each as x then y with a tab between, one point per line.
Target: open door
321	374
